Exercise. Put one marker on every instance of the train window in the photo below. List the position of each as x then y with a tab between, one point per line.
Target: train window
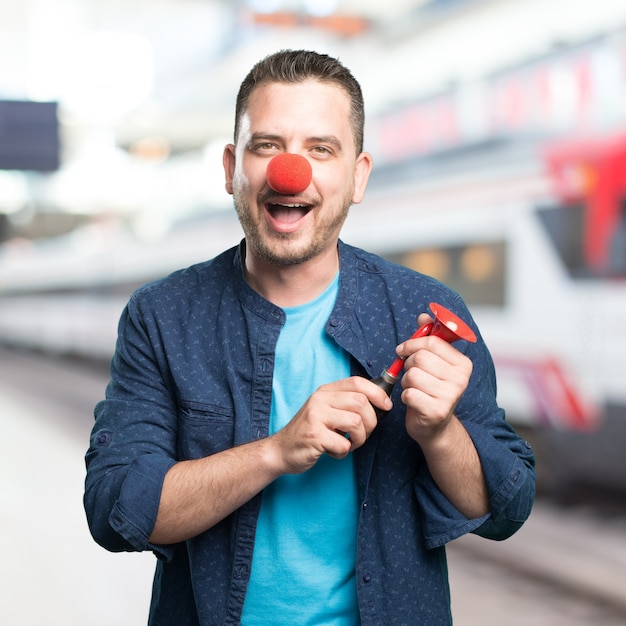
564	226
476	271
435	263
589	246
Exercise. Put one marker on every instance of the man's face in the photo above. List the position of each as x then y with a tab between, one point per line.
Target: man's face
311	119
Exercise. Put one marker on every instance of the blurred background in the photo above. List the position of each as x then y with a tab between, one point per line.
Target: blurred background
498	131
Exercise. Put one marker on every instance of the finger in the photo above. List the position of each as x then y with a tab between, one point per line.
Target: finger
442	361
424	318
433	396
410	349
361	393
339	445
329	414
427	384
349	433
356	426
428	360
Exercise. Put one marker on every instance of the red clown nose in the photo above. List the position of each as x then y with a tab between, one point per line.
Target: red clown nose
289	174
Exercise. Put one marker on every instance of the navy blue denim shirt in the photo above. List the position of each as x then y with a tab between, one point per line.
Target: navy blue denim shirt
192	375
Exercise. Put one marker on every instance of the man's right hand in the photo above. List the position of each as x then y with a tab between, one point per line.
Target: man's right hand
322	424
199	493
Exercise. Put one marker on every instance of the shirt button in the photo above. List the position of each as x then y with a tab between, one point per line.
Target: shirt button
103	438
334	322
367	578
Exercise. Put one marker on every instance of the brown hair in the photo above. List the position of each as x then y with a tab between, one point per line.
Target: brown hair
294	66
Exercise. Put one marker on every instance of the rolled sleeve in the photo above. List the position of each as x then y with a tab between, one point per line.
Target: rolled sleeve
508	465
134	513
510	479
132	447
122	497
441	521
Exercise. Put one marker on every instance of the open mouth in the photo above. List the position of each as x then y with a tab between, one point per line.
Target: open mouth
287	216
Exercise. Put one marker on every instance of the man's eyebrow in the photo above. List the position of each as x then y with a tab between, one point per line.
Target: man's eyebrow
329	139
255	137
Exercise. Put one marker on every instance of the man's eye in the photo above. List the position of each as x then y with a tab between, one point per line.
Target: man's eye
264	147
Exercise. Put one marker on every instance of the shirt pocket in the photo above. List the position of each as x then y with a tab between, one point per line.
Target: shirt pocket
205	428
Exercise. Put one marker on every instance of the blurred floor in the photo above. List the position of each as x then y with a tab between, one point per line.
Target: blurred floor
52	572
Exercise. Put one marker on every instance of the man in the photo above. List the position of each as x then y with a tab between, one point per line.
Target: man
238	438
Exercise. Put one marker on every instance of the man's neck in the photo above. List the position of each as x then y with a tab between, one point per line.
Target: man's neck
292	285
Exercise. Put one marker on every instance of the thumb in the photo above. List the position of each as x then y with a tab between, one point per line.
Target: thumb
423	318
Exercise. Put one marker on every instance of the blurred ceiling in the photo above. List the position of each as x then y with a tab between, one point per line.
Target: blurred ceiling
172	67
163	66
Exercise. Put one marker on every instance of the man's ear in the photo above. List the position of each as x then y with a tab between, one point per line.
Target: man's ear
228	159
362	170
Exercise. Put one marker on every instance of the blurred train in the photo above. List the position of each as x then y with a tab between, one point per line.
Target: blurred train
532	236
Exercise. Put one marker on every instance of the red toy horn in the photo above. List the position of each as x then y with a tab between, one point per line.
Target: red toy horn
447	326
289	174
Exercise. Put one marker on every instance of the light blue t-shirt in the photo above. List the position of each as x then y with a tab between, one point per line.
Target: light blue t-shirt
305	546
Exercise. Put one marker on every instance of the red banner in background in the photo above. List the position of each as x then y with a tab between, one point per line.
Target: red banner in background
577	92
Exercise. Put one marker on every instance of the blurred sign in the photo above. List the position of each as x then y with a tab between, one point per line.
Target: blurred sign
29	136
343	25
594	173
576	91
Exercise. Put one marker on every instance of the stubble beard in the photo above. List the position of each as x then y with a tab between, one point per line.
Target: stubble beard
285	248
